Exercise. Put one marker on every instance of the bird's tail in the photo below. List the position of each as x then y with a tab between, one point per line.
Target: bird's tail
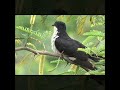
87	64
95	57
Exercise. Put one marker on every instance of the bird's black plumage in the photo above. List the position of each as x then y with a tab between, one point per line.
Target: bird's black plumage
68	46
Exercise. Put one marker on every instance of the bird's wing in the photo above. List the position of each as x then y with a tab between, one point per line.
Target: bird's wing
68	46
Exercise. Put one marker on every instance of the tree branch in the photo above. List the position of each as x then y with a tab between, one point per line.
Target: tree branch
37	51
43	53
46	53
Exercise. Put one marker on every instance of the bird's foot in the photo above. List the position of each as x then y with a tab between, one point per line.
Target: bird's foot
36	53
61	55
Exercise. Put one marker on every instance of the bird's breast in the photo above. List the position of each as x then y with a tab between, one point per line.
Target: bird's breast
53	39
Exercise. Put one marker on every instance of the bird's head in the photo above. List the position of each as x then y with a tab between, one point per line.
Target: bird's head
59	26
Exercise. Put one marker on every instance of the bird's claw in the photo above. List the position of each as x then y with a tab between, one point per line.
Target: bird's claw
36	53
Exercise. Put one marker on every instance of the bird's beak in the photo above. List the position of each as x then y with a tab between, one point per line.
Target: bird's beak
53	25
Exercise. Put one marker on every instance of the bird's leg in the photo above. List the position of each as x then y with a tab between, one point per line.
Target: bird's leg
61	55
36	53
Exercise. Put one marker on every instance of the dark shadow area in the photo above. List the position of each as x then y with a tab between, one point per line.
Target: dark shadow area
59	82
60	7
59	11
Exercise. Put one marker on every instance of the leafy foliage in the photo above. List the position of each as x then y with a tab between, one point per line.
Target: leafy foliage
94	33
29	31
80	23
35	31
98	49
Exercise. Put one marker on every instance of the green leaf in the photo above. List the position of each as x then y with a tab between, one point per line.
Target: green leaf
95	33
94	50
68	18
18	41
88	39
102	53
89	44
101	47
97	72
56	61
87	50
99	38
32	45
60	18
67	73
101	62
87	73
80	24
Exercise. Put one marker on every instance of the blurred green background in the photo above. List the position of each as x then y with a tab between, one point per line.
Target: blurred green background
35	31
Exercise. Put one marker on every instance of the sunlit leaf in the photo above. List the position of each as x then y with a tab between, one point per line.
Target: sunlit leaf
88	39
99	38
60	18
73	68
28	30
56	61
68	18
97	72
101	62
89	44
102	53
101	47
94	33
80	24
35	39
17	41
31	45
87	50
87	73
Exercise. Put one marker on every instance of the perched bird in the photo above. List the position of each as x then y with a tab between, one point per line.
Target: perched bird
68	47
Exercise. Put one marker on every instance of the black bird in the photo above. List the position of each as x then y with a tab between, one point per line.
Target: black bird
63	44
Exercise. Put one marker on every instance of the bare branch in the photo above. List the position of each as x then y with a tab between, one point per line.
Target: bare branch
45	53
37	51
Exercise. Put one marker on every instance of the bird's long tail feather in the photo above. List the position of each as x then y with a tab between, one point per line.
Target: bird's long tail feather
96	58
